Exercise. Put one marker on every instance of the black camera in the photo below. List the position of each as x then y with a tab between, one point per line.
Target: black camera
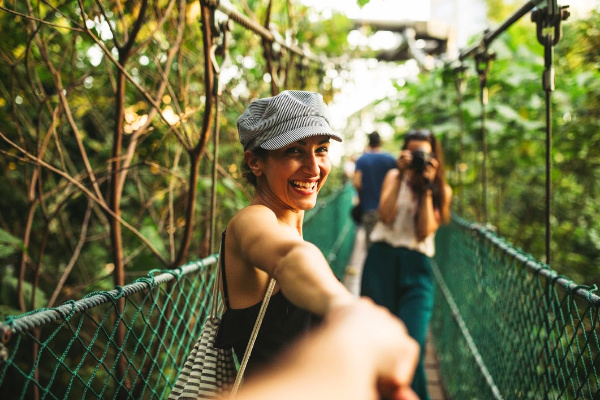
420	159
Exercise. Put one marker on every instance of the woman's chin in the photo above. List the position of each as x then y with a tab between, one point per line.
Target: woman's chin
308	204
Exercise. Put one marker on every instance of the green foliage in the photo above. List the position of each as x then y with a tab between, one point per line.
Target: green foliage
515	135
8	244
9	289
58	103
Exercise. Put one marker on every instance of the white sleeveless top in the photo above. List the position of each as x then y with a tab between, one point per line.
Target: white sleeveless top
401	233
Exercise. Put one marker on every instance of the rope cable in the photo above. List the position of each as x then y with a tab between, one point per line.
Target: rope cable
265	33
32	319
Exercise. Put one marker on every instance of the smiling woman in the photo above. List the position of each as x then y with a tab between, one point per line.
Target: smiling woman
286	143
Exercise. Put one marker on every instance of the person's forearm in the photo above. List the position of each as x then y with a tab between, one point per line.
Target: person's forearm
427	221
388	205
306	279
300	373
363	351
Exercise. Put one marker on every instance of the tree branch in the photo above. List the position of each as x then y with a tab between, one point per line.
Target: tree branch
87	193
74	256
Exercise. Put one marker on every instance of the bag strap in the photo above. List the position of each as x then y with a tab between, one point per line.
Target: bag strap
259	319
261	314
216	301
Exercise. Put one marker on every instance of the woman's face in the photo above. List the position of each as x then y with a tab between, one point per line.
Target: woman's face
295	173
414	145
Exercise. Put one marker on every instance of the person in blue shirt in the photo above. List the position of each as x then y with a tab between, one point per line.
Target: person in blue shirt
371	168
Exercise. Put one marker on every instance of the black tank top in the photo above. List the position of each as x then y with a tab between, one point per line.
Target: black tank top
282	323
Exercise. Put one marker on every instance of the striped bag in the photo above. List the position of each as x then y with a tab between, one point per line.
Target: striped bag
210	372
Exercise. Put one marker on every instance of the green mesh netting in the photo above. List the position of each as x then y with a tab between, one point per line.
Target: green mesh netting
73	351
507	326
89	349
331	228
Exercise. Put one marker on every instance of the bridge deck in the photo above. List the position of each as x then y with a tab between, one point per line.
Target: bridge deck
352	282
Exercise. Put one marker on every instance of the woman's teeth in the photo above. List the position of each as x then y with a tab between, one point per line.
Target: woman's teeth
304	185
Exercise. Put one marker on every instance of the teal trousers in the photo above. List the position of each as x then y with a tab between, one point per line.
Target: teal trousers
402	281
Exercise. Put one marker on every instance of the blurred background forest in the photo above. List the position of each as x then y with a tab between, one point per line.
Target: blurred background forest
107	118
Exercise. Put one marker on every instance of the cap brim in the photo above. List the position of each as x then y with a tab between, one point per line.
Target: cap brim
298	134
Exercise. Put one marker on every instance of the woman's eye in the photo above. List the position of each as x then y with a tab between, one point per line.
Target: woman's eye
293	150
323	149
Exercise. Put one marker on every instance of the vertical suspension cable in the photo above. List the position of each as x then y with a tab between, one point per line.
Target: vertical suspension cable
223	30
482	65
213	193
548	87
549	18
460	85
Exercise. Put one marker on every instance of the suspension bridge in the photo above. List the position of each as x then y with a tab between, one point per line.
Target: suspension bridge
505	324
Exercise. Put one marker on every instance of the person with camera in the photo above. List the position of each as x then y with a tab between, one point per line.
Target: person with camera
415	200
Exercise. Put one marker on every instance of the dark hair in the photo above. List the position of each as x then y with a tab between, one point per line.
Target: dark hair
440	200
247	173
417	134
374	139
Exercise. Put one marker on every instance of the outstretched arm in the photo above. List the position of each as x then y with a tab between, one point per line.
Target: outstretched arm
301	270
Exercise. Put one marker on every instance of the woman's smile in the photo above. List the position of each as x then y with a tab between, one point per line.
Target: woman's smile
294	174
305	187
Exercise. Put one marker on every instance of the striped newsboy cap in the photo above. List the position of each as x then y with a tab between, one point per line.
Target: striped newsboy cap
275	122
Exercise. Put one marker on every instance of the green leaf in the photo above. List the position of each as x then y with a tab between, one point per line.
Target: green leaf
9	244
7	238
507	112
151	233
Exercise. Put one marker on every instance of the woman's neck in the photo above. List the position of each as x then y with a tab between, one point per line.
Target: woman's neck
285	215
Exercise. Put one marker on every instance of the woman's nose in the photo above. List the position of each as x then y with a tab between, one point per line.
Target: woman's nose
311	164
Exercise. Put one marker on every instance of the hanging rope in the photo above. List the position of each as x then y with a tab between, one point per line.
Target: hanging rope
263	32
482	65
549	32
460	86
220	46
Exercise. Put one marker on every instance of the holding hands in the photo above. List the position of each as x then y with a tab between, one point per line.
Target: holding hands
364	351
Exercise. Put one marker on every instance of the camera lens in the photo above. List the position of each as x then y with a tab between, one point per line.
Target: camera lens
419	160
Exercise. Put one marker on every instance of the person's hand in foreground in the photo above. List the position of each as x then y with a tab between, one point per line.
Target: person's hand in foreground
361	351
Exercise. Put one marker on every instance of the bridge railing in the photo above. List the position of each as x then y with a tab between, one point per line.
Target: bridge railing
504	319
71	351
331	228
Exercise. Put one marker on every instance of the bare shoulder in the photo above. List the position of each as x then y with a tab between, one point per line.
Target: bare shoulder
448	189
253	212
391	176
258	223
251	217
393	173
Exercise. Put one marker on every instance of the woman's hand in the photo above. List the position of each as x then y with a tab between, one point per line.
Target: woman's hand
404	160
431	170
